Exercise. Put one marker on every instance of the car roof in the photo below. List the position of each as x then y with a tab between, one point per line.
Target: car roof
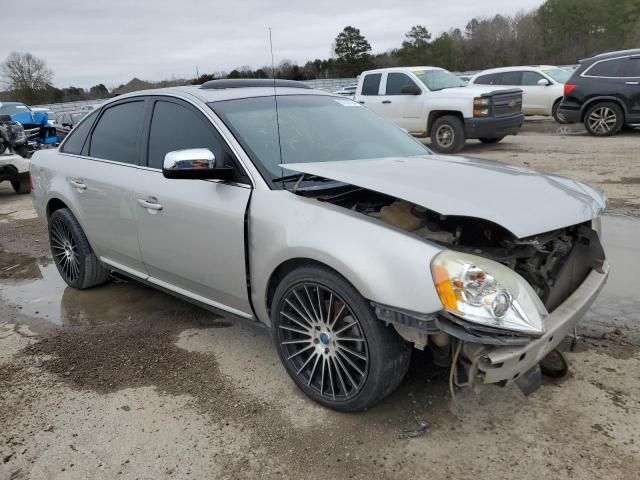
618	53
219	94
517	68
402	69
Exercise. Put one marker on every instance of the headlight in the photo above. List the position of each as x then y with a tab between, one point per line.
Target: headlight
481	106
487	293
481	101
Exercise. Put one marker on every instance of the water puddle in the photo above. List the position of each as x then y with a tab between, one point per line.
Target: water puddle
37	291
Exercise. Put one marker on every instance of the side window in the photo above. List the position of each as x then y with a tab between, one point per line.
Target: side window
395	82
483	80
511	78
619	67
531	78
77	137
175	127
371	84
115	135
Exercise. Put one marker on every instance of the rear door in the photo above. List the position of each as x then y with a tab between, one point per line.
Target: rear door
101	173
369	94
534	97
192	240
405	110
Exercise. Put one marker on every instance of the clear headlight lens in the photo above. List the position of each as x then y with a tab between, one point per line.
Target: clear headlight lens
485	292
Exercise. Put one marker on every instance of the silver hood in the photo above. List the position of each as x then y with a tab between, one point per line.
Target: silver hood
522	201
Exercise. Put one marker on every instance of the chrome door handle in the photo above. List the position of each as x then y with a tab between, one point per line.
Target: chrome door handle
632	83
78	184
150	205
386	101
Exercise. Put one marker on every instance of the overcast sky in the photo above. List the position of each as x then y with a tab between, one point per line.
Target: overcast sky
86	42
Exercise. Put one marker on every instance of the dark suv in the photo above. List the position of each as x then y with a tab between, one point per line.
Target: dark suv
604	93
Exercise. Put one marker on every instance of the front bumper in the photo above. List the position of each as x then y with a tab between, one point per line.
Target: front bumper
506	364
493	127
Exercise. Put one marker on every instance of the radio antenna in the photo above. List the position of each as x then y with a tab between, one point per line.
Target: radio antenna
275	97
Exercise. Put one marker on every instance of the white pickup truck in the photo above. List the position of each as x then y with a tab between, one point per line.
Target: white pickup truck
431	101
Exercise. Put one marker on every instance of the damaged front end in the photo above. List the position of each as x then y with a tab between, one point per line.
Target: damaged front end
507	301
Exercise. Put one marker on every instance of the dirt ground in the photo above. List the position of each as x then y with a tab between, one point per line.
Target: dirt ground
123	381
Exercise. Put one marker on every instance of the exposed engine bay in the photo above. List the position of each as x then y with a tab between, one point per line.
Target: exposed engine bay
554	263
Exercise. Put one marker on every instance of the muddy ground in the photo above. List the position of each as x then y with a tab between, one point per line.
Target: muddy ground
125	382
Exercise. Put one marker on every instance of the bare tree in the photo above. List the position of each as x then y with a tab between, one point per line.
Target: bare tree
26	74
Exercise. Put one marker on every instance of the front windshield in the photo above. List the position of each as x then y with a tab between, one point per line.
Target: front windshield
313	128
13	108
560	75
438	79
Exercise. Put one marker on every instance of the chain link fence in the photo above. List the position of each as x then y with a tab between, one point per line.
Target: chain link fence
327	84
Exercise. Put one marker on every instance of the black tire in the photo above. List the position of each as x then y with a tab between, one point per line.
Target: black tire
490	140
604	119
387	354
78	265
447	134
20	187
555	112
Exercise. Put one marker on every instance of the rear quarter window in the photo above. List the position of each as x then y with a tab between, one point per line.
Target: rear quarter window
78	136
625	67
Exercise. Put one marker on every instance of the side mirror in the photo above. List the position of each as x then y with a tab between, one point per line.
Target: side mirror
194	164
411	89
544	82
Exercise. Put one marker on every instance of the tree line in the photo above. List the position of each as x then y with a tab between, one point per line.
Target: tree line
558	32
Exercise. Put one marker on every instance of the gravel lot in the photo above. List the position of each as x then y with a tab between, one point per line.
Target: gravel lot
125	382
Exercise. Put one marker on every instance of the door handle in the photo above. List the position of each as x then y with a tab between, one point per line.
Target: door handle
386	101
78	184
149	204
361	101
632	83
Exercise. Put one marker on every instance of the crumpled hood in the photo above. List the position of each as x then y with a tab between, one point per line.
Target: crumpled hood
524	202
31	119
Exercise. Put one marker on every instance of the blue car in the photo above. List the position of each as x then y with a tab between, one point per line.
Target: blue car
36	125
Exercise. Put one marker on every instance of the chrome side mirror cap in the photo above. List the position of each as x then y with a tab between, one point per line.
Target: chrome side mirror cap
194	164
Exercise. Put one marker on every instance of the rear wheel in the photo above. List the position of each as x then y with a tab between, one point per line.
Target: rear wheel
331	343
72	254
447	134
604	119
490	140
20	186
555	112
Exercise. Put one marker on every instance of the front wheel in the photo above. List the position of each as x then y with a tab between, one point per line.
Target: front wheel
331	344
604	119
77	264
20	187
447	134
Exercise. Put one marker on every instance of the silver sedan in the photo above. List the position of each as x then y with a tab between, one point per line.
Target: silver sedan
310	215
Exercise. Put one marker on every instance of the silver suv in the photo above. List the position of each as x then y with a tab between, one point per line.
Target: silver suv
309	214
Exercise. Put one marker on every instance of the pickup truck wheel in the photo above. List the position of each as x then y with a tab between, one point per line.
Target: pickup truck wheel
604	119
490	140
20	187
447	134
72	254
331	343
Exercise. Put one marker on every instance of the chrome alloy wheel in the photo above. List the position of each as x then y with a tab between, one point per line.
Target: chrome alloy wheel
323	342
602	120
65	251
445	135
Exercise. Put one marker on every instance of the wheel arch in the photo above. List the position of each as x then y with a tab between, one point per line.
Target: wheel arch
286	267
606	99
436	114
